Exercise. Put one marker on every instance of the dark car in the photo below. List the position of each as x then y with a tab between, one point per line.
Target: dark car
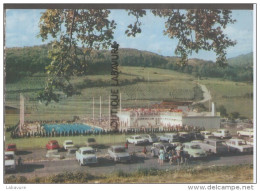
169	137
157	146
11	147
185	136
53	144
91	142
196	136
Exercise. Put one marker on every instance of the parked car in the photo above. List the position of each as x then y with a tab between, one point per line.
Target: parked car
157	146
86	155
184	136
194	150
250	141
215	146
150	137
239	145
53	144
68	144
246	132
196	136
71	151
10	161
206	134
91	142
137	139
222	133
169	137
11	147
197	141
119	154
175	144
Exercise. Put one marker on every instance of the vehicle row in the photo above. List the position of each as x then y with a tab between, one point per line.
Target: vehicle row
203	148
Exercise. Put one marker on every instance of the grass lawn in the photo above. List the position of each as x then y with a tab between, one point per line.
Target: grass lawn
210	175
233	95
40	142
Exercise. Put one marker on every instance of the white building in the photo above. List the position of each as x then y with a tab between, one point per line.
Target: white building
144	118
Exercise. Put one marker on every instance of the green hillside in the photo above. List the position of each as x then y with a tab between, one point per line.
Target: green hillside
30	61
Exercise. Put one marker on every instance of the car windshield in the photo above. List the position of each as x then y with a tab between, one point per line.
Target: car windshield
138	137
69	143
195	147
54	143
11	146
88	152
9	157
226	131
241	143
153	136
119	150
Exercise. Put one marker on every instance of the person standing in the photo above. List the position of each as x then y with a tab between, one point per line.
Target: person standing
126	145
170	155
161	156
145	151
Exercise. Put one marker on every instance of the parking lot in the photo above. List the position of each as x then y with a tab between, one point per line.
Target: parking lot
35	163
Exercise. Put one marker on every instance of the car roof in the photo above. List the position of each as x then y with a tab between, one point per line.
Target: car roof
9	152
234	139
68	141
171	133
189	143
215	140
117	146
86	148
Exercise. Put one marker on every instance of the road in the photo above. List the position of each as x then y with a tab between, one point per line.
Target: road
45	166
206	94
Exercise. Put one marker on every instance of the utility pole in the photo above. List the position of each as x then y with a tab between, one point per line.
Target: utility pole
93	109
100	109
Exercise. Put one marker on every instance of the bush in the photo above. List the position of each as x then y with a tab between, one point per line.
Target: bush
121	173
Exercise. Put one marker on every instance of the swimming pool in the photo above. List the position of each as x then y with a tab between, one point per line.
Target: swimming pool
70	128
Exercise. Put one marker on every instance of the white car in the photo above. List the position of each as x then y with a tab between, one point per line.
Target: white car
86	155
222	133
194	150
206	134
68	144
10	162
150	137
246	132
119	154
239	145
137	139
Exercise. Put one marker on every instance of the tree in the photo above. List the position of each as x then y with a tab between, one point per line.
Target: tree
234	115
222	110
76	32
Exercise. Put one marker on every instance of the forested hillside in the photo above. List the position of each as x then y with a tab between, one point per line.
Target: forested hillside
28	61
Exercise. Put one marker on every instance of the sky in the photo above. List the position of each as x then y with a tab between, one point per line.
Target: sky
22	28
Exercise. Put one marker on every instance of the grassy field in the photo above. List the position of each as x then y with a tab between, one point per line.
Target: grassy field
40	142
216	174
235	96
154	85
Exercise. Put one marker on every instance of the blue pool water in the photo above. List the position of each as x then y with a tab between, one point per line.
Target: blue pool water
59	128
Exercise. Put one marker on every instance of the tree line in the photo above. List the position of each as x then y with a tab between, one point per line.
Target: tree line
29	61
